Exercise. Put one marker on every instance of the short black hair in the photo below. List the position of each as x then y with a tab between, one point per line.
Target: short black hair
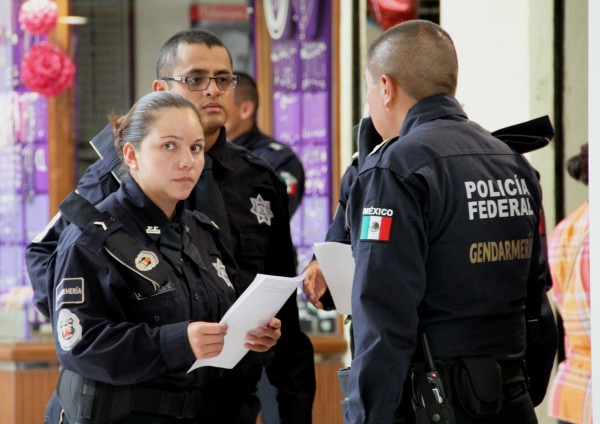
168	53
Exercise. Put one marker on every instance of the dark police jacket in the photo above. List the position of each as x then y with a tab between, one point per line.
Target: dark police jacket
243	195
445	233
283	160
110	330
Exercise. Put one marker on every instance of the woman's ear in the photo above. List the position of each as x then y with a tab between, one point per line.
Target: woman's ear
130	156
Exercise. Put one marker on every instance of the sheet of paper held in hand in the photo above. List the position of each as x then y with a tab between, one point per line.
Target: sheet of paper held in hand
254	308
337	264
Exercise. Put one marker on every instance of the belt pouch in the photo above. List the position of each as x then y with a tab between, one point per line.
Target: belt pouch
478	385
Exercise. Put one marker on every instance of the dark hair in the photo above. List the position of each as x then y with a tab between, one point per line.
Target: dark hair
246	90
135	125
577	166
419	55
167	57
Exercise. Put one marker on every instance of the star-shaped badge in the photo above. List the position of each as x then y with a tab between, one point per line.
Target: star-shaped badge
222	272
262	209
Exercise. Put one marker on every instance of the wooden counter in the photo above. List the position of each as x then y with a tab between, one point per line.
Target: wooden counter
28	373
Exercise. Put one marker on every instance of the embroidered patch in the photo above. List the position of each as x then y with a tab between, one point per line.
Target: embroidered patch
262	209
68	329
376	224
69	291
146	260
222	272
291	183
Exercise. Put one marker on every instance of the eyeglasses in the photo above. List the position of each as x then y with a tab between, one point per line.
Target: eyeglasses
201	82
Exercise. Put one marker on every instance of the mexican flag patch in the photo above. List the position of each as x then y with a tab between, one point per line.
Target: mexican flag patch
375	227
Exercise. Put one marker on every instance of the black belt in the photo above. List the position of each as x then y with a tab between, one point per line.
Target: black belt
161	402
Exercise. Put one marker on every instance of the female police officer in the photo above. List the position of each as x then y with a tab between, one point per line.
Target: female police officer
140	289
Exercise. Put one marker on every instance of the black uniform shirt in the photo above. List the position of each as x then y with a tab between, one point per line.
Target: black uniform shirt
282	158
445	233
105	329
256	214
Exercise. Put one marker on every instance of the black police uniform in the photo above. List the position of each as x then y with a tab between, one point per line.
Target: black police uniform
247	200
260	240
445	232
116	332
282	158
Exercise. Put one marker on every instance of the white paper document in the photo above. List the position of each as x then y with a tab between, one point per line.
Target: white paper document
254	308
337	264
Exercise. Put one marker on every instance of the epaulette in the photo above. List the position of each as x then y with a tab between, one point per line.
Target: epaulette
527	136
205	221
275	146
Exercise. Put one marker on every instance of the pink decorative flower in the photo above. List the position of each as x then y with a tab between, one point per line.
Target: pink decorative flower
38	16
47	70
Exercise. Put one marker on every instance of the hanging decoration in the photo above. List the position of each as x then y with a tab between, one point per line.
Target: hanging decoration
38	16
47	70
278	15
387	13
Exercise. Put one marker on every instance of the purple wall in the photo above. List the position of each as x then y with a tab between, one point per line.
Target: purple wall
301	70
23	152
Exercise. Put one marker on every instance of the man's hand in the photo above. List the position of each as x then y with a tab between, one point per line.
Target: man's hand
206	338
264	338
314	284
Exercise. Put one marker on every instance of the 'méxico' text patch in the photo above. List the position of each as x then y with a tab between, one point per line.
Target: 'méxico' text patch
376	224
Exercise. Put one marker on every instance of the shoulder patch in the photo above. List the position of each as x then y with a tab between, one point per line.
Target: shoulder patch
275	146
68	329
376	224
69	291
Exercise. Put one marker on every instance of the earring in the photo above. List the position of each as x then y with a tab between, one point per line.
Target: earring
133	166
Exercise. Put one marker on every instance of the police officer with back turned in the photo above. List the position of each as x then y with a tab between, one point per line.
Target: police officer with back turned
444	221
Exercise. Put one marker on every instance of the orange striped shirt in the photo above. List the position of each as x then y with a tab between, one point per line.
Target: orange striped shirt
569	256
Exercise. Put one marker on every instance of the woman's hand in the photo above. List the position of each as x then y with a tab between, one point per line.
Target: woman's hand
206	338
264	338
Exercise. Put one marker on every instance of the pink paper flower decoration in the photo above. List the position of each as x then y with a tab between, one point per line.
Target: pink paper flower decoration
38	16
47	70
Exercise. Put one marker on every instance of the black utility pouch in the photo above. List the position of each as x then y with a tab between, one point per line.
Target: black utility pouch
478	385
431	405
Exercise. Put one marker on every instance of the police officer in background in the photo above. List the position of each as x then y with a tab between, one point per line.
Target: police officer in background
239	192
243	131
128	333
444	221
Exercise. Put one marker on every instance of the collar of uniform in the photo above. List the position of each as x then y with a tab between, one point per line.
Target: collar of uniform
104	146
249	138
434	107
146	212
220	152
